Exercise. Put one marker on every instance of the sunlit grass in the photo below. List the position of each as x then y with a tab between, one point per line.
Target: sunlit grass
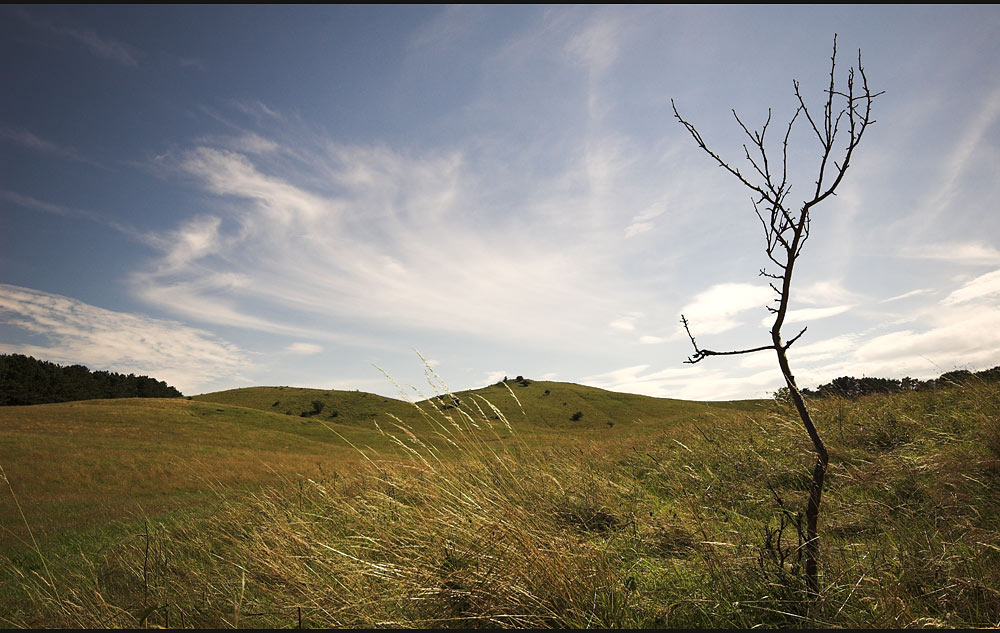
460	517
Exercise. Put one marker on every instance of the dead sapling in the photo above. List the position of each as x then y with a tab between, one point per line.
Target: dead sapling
846	114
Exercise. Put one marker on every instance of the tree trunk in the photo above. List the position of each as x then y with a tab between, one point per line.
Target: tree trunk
819	473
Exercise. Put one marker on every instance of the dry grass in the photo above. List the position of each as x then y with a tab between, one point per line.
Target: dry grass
681	525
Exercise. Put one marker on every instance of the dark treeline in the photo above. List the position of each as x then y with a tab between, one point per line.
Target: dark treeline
851	387
27	380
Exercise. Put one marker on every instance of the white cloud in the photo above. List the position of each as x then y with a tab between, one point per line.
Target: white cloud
373	238
652	340
306	349
190	359
643	221
838	346
626	323
27	139
824	293
453	25
969	253
691	382
906	295
191	62
808	314
253	143
963	330
596	46
963	154
70	212
100	46
983	286
196	238
104	47
714	310
258	110
494	377
228	173
521	211
967	337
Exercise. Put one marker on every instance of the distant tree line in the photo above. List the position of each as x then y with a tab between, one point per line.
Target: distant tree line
27	380
851	387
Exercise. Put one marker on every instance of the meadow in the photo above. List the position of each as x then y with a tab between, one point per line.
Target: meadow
524	504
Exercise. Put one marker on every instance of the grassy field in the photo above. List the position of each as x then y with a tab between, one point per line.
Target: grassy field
539	504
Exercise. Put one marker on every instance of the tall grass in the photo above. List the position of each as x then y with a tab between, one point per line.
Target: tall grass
690	525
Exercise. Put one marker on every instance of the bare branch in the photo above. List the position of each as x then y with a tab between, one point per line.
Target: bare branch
700	354
784	151
782	229
794	338
718	159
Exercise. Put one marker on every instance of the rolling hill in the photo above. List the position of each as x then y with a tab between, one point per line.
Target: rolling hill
563	506
528	405
76	465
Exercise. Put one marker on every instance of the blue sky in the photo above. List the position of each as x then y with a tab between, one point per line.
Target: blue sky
233	196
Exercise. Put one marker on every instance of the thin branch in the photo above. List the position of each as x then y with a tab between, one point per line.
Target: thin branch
791	233
701	143
795	338
700	354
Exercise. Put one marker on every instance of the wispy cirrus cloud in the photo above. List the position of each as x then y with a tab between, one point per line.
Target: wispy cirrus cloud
714	310
644	221
972	139
969	336
691	383
98	45
983	286
306	349
545	229
72	331
961	330
368	238
69	212
595	46
968	253
258	110
808	314
906	295
26	138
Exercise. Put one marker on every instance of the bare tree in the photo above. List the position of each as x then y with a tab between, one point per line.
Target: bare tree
845	110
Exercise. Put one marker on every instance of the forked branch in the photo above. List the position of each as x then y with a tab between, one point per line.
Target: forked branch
785	233
700	354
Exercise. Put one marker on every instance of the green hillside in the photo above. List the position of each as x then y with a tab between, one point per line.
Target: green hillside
77	464
217	511
552	406
82	464
344	407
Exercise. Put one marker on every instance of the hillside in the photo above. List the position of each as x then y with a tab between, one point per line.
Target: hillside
343	407
679	514
78	465
552	405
